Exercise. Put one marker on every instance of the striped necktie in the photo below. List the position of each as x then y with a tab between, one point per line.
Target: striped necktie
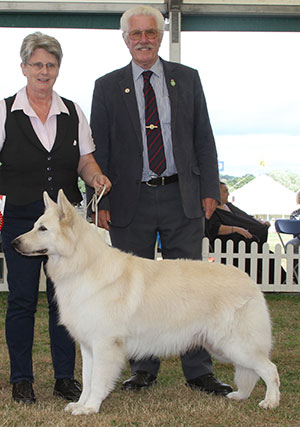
156	152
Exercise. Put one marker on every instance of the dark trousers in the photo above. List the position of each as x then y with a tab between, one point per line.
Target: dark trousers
23	282
160	211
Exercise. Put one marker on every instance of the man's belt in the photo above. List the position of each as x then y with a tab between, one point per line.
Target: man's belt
161	180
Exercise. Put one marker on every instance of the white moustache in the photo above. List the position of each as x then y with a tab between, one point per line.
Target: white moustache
143	46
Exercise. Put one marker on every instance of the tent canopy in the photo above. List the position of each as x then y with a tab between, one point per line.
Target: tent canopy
264	196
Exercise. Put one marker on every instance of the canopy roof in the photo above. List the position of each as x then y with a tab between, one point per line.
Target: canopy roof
264	196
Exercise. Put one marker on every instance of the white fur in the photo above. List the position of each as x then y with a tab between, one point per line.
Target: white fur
119	306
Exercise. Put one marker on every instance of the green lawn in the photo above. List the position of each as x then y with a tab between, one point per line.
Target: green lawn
170	403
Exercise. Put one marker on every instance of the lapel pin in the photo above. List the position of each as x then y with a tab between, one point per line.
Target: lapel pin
127	90
74	142
172	82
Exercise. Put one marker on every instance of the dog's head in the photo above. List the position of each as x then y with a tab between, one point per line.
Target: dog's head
52	233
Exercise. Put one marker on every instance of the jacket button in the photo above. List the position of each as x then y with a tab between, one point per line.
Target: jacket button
49	178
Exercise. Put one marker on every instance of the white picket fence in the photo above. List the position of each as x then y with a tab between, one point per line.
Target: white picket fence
281	259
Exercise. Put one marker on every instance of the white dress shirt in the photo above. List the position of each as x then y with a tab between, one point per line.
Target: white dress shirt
46	132
159	85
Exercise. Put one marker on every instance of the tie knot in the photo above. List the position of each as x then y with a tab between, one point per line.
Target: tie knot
147	75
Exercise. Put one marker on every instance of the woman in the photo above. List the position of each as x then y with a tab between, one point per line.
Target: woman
45	144
231	223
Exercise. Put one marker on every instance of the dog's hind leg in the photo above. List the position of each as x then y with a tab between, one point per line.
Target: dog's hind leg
87	364
108	357
245	379
268	372
249	369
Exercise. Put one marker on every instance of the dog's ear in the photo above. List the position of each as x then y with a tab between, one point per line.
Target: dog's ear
62	201
47	200
64	206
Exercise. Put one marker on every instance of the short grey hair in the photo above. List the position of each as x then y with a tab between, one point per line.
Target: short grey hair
145	11
43	41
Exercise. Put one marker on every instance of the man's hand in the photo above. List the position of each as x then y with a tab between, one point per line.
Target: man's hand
209	206
103	219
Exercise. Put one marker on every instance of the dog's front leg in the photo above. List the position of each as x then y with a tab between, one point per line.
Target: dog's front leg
108	357
87	365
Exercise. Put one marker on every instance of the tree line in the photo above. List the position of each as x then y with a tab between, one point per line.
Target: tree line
290	180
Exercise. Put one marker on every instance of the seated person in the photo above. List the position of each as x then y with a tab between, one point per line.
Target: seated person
231	223
295	215
296	240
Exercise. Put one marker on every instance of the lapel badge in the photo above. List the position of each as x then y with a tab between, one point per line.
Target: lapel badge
127	90
74	143
172	82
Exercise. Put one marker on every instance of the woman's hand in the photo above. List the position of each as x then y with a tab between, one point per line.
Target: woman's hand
92	175
266	223
99	181
243	232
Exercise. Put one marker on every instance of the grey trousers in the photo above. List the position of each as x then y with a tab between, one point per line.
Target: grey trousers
160	211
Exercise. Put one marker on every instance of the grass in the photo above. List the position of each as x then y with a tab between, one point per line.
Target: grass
169	403
273	239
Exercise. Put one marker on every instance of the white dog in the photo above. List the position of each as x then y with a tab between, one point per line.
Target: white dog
119	306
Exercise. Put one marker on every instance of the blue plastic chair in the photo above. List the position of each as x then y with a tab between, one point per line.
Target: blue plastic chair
288	226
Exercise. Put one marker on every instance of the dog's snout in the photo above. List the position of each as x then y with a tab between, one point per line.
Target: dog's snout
16	242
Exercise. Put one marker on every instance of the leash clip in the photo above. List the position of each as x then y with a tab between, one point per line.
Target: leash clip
97	196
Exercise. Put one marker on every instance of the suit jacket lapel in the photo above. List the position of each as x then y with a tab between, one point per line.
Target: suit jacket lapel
171	80
128	92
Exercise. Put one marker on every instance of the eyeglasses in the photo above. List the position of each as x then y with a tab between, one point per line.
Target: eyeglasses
151	34
38	66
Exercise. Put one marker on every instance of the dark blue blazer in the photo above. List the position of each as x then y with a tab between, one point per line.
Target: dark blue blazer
117	134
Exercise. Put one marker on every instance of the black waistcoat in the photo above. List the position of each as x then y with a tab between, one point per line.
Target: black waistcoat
27	168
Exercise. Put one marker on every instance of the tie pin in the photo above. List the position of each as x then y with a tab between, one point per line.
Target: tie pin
151	127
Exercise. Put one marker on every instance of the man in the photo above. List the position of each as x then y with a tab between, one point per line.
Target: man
164	188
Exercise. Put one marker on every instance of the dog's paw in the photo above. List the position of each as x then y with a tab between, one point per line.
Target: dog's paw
269	404
71	406
236	395
84	410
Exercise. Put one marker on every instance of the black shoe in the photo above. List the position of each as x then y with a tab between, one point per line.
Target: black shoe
67	388
139	380
22	391
210	384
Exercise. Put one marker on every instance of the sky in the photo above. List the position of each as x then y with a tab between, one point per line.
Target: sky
251	83
252	86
